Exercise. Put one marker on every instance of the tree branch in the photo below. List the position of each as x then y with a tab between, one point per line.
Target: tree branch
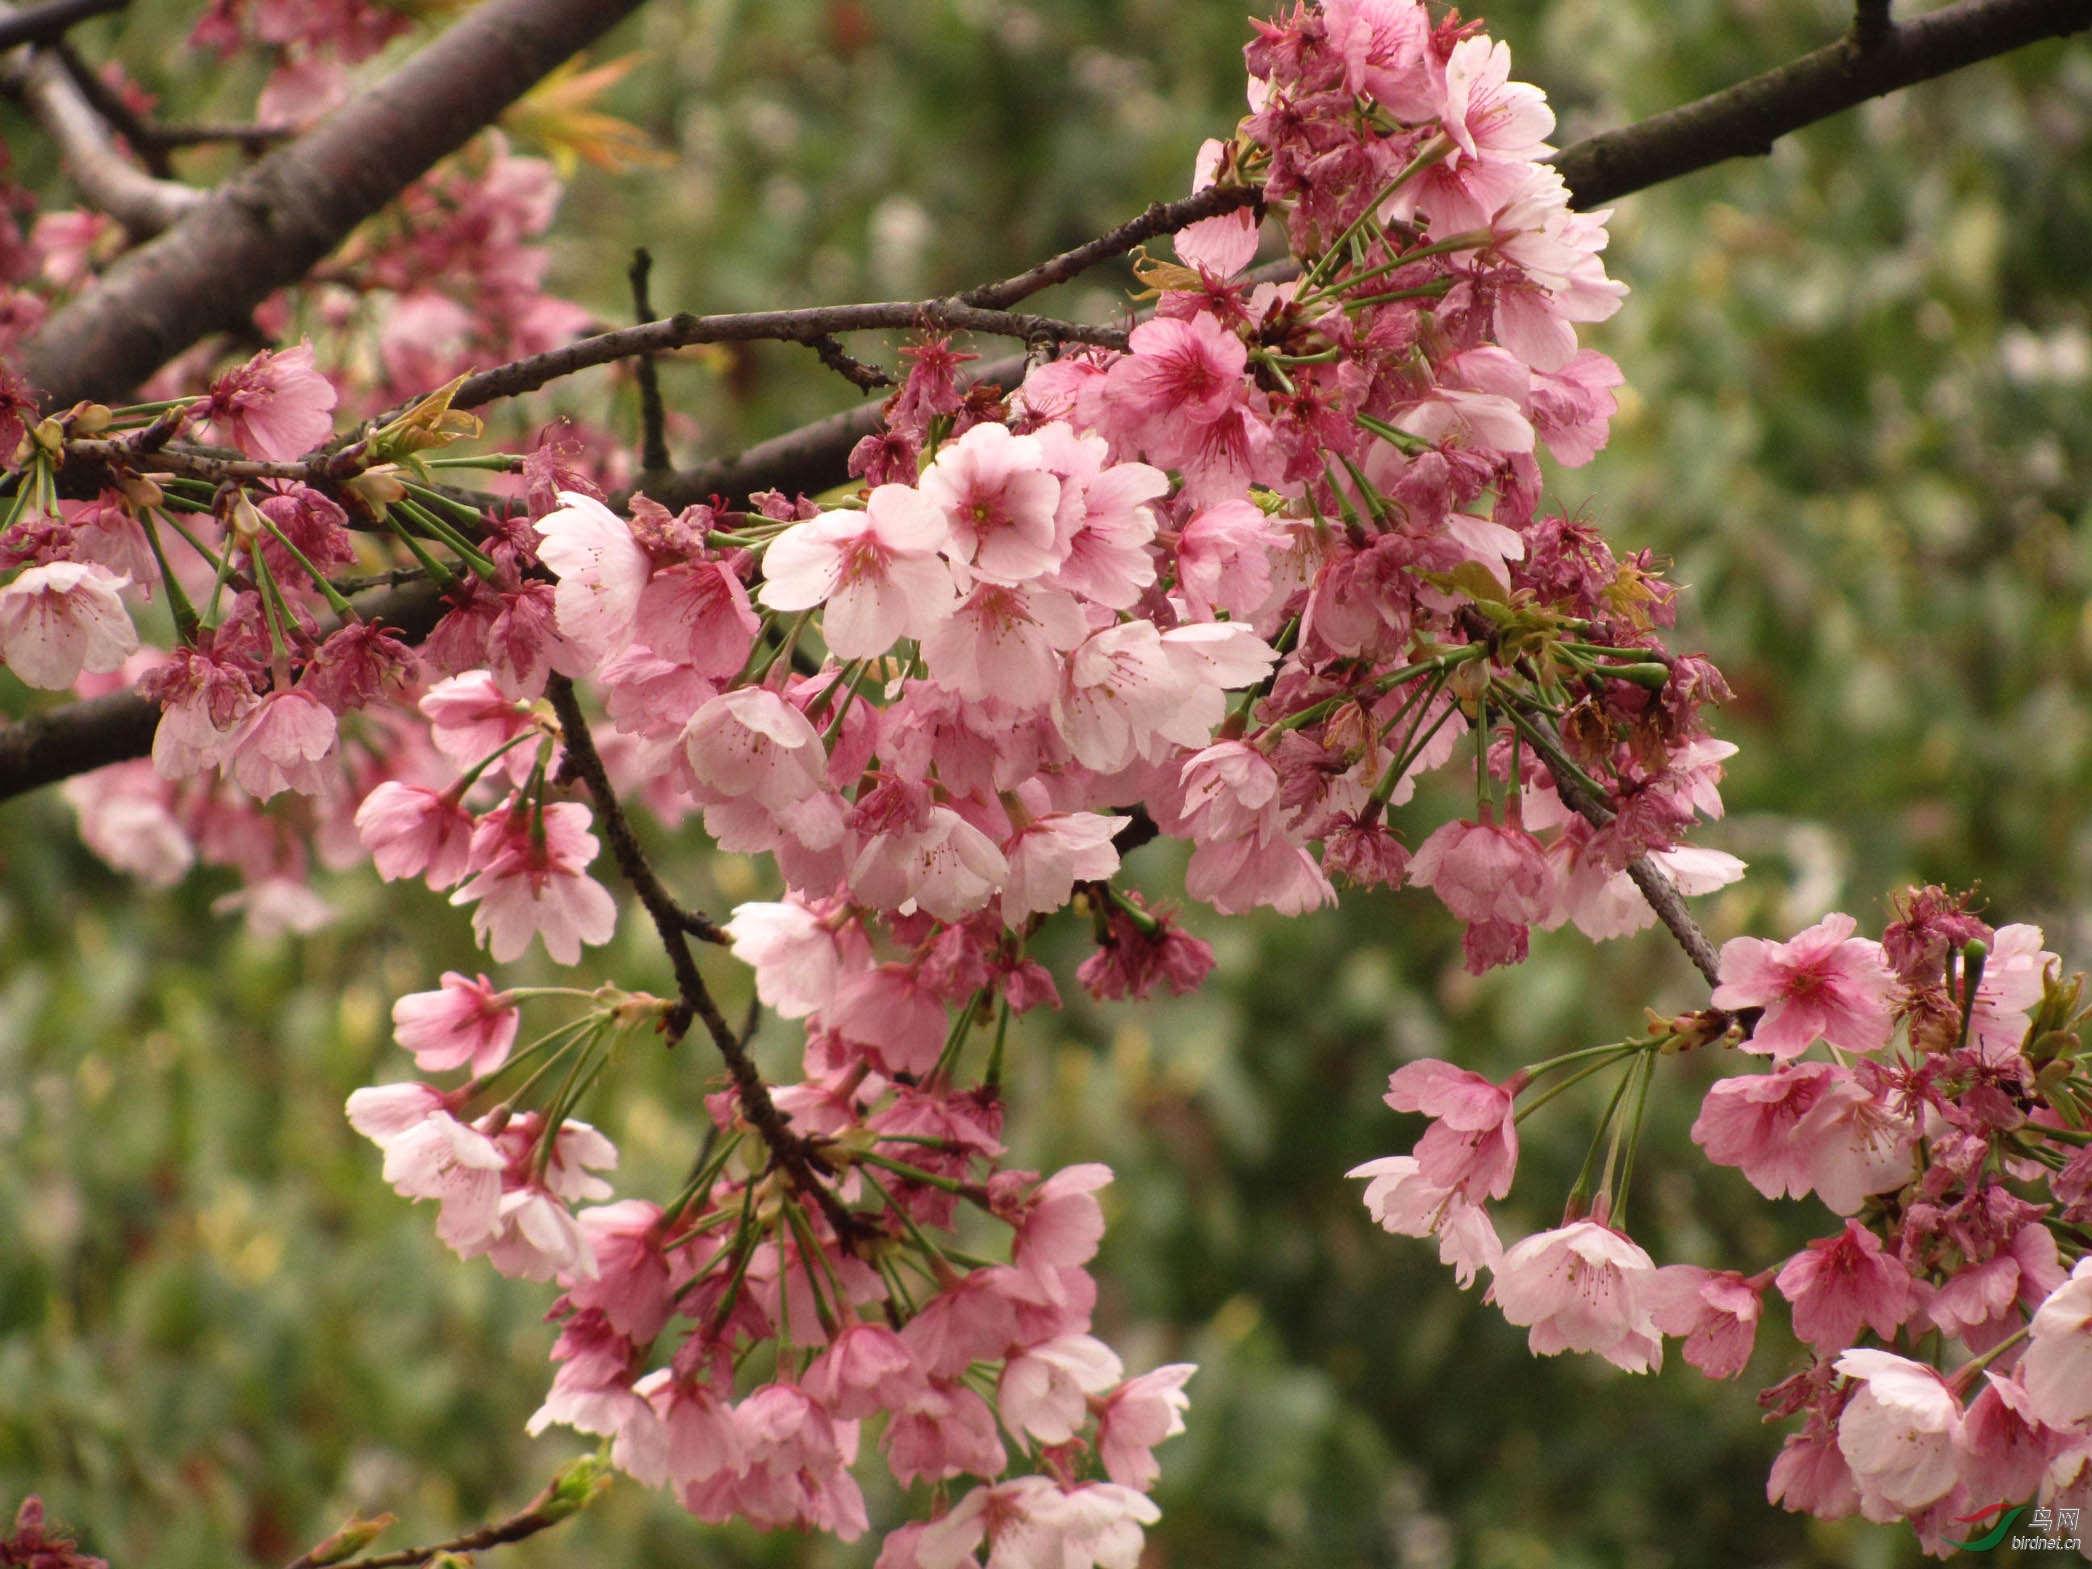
808	325
1160	218
266	226
675	926
1748	118
46	24
107	180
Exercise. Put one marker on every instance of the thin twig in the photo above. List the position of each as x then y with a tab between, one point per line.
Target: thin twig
110	105
674	925
1656	887
865	378
540	1514
1161	218
807	325
653	420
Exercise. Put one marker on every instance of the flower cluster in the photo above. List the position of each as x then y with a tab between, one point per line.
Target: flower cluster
1242	583
1944	1129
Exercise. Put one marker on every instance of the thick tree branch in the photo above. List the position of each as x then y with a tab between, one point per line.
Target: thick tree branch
1749	117
45	24
269	224
106	179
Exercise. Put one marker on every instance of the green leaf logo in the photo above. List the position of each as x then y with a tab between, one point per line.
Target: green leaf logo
1997	1532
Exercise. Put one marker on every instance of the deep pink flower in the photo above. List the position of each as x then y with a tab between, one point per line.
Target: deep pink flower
1716	1312
1486	872
1825	983
276	406
1839	1283
1471	1146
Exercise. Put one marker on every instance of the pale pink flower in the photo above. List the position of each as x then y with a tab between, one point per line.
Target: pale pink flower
876	570
797	956
949	868
413	831
867	1369
1716	1312
465	1020
994	494
697	613
276	406
1825	983
1582	1287
602	572
1137	1416
1750	1122
1486	113
945	1431
127	816
1471	1146
1224	557
281	742
530	878
62	618
1032	1523
1839	1283
471	718
1044	1390
1855	1142
1236	875
1486	872
2057	1367
794	1472
2012	986
1049	855
750	742
1898	1433
1006	641
1400	1198
700	1435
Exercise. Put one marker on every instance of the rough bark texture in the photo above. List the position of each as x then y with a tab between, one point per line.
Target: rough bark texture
267	226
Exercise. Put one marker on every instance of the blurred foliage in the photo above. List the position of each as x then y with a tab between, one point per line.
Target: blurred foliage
1858	421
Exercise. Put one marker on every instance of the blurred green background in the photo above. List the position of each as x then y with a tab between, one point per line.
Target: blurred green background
1857	419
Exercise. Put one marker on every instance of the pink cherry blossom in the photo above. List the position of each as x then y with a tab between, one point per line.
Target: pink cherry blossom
946	1430
2057	1367
1403	1201
602	572
1137	1416
877	571
276	406
1716	1312
994	494
280	744
465	1020
1825	983
530	878
1582	1287
1486	872
1898	1433
1049	855
750	742
1840	1282
1044	1389
1471	1146
62	618
412	831
1751	1121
